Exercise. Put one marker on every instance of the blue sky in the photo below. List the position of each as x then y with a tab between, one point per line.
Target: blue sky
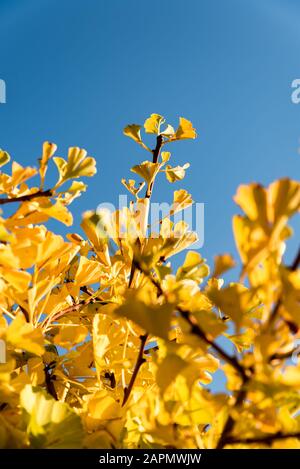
78	71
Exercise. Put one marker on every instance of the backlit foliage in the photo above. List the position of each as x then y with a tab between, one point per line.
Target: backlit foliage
107	346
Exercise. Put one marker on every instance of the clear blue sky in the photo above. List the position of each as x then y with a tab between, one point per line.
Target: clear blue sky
77	71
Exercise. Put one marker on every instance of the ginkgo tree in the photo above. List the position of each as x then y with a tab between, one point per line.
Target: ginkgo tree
108	347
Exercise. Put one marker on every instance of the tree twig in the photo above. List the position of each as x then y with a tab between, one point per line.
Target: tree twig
196	329
267	439
155	156
140	360
275	310
26	198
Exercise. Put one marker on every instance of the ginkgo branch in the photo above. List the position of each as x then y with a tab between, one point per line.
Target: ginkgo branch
155	153
196	329
266	439
140	360
294	266
229	424
71	309
49	378
26	198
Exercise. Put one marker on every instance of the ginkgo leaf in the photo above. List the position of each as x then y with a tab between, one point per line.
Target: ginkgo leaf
74	191
50	424
134	131
23	335
165	156
20	174
223	262
209	322
237	302
251	240
168	131
184	130
101	341
70	335
96	228
168	369
77	165
243	341
193	268
130	186
155	319
147	170
57	210
48	151
253	201
153	123
36	371
88	272
4	157
19	279
283	198
177	173
181	200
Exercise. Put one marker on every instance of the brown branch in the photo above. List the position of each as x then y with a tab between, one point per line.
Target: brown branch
140	360
26	198
228	427
283	356
196	329
155	155
294	266
72	309
267	439
26	315
296	262
49	378
225	437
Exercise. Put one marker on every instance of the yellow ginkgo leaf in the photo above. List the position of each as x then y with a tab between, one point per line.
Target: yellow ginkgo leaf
165	156
88	272
252	199
184	130
153	123
177	173
48	151
223	262
193	268
4	157
18	279
36	371
283	198
70	335
237	302
20	174
168	369
50	423
57	210
181	200
77	165
155	319
147	170
130	186
134	131
23	335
